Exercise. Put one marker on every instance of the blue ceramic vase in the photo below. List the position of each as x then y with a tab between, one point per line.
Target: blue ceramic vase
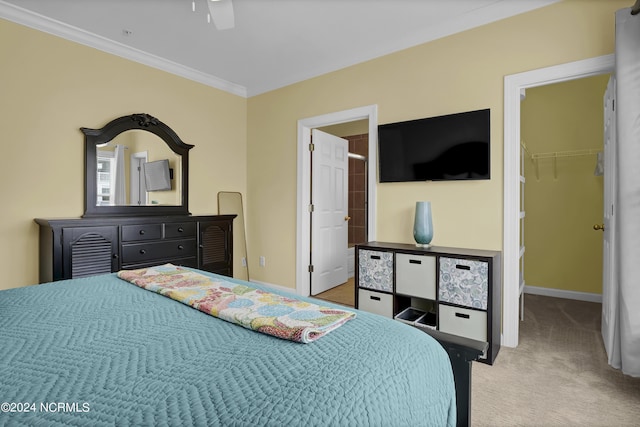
422	226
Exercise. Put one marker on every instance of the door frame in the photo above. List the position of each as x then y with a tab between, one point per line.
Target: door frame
303	223
514	84
134	176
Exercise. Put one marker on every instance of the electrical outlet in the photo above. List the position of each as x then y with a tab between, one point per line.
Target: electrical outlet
262	261
244	261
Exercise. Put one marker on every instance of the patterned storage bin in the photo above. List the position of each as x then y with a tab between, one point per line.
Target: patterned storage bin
464	282
375	270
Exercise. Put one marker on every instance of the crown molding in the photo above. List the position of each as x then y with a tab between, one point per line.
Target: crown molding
45	24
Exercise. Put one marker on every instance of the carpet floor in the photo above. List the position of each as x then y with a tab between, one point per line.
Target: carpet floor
557	376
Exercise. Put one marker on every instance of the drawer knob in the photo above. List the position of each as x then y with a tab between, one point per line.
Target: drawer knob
180	247
415	261
375	256
463	267
374	298
180	229
141	232
463	315
142	251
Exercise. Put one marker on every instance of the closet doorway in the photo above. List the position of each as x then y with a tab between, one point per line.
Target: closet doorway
561	129
514	85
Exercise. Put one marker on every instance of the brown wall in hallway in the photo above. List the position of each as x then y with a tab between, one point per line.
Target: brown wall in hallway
358	144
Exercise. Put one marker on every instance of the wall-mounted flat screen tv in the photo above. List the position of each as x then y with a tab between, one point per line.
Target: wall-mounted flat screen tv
157	175
451	147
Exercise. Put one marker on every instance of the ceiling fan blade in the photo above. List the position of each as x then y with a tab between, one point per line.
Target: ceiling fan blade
222	14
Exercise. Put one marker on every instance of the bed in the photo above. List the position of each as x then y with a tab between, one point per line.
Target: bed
101	351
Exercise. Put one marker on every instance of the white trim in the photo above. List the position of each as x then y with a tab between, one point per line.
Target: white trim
561	293
51	26
370	113
513	86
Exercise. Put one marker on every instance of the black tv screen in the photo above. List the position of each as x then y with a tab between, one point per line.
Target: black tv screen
451	147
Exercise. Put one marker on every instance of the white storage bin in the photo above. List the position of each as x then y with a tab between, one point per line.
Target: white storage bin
375	302
463	322
416	275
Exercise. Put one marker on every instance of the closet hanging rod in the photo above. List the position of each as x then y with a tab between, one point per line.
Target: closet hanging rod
574	153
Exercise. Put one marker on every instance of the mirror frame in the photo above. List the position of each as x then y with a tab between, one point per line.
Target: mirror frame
140	121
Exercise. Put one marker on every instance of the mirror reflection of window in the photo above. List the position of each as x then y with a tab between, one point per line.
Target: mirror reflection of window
106	178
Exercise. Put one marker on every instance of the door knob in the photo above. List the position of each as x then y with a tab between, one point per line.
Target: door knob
347	218
598	227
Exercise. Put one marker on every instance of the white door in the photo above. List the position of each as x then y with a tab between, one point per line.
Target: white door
329	216
609	279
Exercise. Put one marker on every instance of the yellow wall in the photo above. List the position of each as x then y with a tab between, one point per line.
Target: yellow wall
562	204
358	127
458	73
50	88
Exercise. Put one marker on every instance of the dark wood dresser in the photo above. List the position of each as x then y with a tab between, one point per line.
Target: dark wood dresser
71	248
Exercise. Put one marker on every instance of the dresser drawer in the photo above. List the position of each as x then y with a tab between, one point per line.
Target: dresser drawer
136	233
416	275
464	282
463	322
375	270
143	252
375	302
179	229
183	262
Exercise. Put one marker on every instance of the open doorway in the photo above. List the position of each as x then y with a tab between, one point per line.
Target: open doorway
513	88
363	115
562	128
356	133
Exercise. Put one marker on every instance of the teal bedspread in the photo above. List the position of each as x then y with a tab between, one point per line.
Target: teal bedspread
99	351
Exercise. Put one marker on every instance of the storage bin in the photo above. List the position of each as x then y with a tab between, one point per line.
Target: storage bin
375	270
416	275
375	302
427	321
409	315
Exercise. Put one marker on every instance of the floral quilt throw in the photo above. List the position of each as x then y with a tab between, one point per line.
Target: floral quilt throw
253	308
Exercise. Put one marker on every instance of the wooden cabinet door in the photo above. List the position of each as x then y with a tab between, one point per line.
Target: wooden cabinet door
215	247
87	251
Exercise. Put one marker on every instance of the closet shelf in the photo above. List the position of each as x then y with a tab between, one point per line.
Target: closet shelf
555	154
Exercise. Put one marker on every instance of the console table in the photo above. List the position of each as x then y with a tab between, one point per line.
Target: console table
450	290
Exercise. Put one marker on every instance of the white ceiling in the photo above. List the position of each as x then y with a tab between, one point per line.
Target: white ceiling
274	43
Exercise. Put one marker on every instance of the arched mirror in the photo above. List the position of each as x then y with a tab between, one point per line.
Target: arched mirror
135	165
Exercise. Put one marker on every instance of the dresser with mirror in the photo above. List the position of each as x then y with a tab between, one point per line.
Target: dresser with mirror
136	208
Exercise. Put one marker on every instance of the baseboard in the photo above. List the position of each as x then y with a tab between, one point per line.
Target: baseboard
561	293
